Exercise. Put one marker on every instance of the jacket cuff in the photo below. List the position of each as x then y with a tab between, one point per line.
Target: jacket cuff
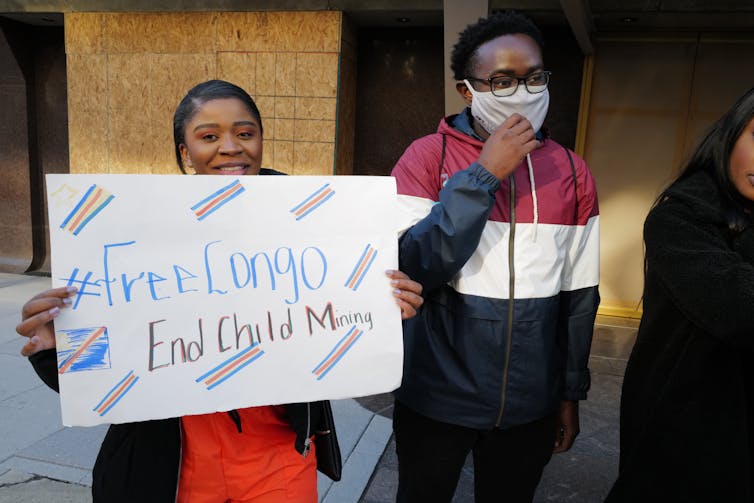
577	385
481	173
45	364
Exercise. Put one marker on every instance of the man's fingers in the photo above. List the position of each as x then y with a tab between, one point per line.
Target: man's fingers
407	310
407	285
564	443
513	121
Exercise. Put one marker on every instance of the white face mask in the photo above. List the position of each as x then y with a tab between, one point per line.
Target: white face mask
491	111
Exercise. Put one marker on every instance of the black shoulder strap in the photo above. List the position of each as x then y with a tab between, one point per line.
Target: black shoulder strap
575	187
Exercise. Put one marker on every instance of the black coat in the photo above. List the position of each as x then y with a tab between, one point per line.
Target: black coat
687	410
139	462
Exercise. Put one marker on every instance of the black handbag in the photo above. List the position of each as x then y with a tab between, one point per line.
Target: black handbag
326	446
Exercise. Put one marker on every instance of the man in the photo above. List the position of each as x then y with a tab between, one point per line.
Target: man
504	237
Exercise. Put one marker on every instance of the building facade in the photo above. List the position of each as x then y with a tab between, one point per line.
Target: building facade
343	87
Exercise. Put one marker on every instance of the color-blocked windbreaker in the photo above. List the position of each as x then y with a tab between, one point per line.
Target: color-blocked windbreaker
510	273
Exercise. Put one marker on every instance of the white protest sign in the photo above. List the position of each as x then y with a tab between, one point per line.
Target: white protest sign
208	293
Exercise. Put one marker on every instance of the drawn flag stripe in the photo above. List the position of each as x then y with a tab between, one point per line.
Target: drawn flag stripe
320	203
334	349
86	207
247	362
231	366
335	357
237	355
313	202
366	269
362	267
81	349
107	395
117	399
214	194
84	211
78	205
338	356
116	393
315	194
93	214
220	200
356	267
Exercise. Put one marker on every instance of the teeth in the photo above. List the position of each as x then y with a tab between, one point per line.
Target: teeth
231	168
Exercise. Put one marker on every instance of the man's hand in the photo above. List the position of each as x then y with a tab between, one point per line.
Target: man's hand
507	146
568	425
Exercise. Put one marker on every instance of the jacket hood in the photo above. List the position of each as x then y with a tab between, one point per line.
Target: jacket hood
446	127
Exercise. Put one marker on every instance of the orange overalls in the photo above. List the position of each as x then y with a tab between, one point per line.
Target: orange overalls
259	464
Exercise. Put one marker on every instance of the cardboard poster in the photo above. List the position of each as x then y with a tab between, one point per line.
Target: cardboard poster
208	293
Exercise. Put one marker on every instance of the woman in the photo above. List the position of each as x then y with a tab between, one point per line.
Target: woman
687	410
257	454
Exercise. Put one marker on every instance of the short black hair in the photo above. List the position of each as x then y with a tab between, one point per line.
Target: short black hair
198	96
506	22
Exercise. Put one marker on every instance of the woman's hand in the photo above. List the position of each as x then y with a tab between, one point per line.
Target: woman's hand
37	315
407	292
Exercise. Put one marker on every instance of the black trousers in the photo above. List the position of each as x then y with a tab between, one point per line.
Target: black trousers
507	463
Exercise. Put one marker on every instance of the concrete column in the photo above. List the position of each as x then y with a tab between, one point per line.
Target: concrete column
457	14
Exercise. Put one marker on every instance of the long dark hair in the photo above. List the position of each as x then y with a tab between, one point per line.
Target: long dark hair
199	95
712	155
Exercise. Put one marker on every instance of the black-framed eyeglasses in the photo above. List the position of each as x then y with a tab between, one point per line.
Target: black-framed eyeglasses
506	85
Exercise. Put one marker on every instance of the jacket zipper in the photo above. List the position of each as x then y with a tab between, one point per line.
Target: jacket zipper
307	440
511	296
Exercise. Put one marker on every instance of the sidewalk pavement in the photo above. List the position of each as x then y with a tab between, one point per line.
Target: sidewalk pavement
43	462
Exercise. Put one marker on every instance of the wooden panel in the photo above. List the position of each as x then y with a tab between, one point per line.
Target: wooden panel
285	74
149	60
165	32
285	107
268	154
317	75
88	132
142	131
315	108
273	31
313	158
284	129
314	130
284	156
265	74
84	33
238	68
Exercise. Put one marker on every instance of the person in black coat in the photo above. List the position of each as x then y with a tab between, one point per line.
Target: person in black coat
687	408
217	131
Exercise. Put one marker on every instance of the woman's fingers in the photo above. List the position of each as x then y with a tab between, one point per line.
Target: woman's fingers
57	297
37	315
34	345
29	326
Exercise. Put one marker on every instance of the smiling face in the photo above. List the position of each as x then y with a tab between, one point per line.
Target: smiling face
223	138
741	167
